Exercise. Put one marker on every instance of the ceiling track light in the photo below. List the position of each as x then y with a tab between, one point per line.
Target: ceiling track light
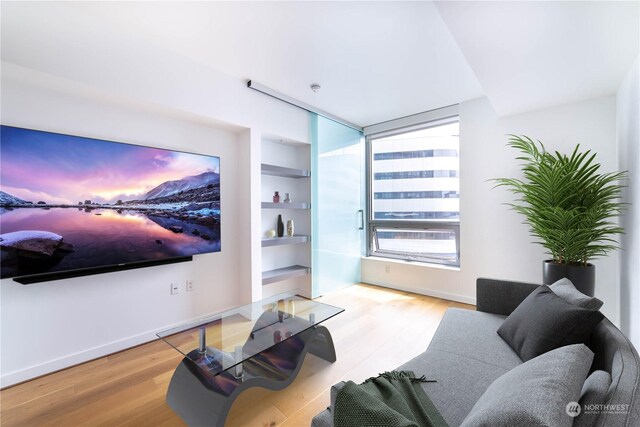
289	100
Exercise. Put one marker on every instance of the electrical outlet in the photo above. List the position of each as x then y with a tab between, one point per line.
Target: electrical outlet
387	269
175	289
190	287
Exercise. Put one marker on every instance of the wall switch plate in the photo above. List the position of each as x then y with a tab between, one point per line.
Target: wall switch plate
190	287
175	289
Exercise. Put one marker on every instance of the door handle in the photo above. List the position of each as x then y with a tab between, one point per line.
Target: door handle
361	212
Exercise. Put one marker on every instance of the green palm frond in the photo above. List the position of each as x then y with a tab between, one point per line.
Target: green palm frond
569	207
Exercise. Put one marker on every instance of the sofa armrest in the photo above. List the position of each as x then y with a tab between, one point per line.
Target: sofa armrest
501	296
325	418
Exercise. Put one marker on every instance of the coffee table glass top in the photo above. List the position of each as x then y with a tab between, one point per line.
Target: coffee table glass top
222	341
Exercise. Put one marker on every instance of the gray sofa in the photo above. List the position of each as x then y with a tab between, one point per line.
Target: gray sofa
466	355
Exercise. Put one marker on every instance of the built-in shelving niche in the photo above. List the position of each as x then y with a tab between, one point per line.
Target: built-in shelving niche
286	168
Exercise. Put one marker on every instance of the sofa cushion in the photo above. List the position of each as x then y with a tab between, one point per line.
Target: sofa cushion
460	381
544	321
535	393
594	392
564	289
473	334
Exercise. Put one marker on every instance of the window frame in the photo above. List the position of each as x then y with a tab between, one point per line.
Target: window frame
422	225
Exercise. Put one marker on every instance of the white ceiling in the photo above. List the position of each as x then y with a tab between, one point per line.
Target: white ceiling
531	55
375	60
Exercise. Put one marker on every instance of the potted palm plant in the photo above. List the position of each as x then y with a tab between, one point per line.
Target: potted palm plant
569	207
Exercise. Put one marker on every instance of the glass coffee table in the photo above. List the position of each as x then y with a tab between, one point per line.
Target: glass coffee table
257	345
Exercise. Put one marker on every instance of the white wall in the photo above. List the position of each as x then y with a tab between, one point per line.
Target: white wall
494	242
628	113
45	326
52	325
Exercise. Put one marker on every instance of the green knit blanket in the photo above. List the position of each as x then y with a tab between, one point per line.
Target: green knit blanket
391	399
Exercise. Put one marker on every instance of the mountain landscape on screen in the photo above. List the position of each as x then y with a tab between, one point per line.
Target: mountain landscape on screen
68	202
9	200
185	184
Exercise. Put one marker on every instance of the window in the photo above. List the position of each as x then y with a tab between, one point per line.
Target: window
414	193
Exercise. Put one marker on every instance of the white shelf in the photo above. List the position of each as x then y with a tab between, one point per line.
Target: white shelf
284	273
284	172
292	205
276	241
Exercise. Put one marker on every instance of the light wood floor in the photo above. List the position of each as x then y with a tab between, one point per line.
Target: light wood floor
380	330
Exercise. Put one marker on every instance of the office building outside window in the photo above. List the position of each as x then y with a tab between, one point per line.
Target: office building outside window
414	184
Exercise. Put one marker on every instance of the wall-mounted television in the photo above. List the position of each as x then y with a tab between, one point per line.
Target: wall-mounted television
73	206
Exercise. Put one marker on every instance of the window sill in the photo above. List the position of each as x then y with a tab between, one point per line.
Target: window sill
411	262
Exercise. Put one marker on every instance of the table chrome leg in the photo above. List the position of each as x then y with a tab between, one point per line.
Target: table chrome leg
238	367
202	335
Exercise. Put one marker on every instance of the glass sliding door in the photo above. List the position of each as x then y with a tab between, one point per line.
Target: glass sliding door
337	156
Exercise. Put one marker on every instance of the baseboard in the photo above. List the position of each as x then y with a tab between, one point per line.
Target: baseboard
31	372
67	361
428	292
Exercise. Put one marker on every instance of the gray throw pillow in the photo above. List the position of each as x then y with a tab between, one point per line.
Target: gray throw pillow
594	392
544	321
565	289
535	393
